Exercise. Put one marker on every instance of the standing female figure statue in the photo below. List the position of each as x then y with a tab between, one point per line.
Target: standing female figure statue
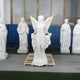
23	30
3	37
76	38
65	37
40	39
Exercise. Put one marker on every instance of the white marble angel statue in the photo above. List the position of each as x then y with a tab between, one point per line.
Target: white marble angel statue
3	39
40	39
65	37
23	31
76	38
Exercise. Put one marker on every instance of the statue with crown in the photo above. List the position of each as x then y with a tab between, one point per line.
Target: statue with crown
40	39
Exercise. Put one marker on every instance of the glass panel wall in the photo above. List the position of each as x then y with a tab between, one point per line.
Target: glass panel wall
44	8
30	10
18	10
57	11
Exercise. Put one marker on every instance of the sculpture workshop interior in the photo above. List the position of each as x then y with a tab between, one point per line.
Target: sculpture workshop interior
40	38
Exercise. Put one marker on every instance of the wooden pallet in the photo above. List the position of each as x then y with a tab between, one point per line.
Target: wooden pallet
30	56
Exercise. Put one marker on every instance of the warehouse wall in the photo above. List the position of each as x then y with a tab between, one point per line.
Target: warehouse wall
57	9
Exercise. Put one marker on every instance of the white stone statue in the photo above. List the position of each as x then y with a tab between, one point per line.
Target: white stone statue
76	38
23	31
3	37
65	37
40	39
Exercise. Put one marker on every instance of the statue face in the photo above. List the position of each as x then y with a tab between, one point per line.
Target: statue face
66	20
78	21
41	18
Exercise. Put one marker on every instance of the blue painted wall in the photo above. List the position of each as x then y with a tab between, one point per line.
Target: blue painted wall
13	37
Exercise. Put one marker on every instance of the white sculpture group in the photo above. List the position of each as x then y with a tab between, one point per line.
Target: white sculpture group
3	36
41	38
65	38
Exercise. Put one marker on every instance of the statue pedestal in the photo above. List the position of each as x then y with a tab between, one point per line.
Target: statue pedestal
76	50
65	50
22	51
3	56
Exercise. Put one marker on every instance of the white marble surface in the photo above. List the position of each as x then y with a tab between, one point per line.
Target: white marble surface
40	41
3	36
76	38
23	31
65	37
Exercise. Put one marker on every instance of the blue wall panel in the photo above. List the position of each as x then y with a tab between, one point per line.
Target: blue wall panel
55	38
71	35
13	37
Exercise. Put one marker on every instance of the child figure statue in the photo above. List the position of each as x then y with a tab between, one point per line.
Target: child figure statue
23	30
40	39
3	36
76	38
65	37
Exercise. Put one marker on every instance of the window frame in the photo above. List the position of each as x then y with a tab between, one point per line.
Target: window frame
37	9
75	17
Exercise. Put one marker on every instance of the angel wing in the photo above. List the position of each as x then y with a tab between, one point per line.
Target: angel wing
47	23
34	21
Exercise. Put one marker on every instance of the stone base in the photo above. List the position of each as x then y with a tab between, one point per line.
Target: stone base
76	50
65	50
22	51
3	56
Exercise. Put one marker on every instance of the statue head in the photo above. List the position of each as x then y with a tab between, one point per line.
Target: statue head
22	20
78	21
66	21
41	18
1	21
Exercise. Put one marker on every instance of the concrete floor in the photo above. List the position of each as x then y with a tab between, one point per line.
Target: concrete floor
64	63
